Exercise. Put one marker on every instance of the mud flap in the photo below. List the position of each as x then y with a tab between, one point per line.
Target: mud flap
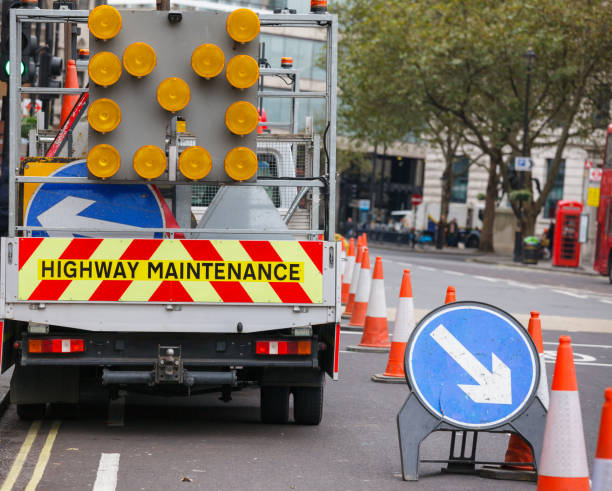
43	384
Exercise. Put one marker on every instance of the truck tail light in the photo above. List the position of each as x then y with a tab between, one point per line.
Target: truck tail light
56	346
283	347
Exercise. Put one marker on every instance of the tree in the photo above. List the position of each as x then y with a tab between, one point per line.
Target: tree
465	60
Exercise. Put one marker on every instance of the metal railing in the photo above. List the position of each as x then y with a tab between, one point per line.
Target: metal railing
315	182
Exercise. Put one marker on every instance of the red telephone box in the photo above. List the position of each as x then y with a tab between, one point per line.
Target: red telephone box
566	248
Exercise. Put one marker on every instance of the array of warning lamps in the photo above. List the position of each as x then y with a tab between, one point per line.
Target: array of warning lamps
173	94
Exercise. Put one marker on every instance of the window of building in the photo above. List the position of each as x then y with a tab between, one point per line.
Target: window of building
306	54
460	180
556	192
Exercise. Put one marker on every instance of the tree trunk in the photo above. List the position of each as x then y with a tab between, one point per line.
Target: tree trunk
447	187
488	220
528	222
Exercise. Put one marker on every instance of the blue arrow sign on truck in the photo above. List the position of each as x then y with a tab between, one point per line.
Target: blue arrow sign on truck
121	207
472	365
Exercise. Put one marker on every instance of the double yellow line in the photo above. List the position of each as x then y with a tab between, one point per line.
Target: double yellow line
24	451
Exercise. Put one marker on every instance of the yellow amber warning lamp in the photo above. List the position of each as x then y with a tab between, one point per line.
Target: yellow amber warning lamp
242	25
149	162
103	161
104	115
104	22
173	94
139	59
195	163
207	60
242	71
241	163
104	68
241	118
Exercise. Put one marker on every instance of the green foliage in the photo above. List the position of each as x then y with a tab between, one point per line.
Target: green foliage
406	63
27	124
520	195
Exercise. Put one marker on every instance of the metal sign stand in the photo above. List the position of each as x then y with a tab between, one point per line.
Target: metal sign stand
415	423
452	347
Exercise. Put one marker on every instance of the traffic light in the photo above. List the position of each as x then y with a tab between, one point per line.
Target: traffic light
49	67
173	97
29	44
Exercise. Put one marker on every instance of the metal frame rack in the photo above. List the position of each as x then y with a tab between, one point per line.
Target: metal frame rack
328	180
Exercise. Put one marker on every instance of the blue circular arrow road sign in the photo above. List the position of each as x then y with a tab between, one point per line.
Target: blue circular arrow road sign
122	207
472	365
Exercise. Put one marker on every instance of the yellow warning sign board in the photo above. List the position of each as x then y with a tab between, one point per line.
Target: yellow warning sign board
593	196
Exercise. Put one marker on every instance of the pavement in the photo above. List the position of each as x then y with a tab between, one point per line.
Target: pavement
474	255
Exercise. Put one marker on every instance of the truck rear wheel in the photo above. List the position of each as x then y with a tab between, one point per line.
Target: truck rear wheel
308	405
275	405
31	411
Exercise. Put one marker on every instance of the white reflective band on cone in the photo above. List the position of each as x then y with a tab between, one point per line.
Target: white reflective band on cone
563	451
377	306
542	391
602	475
404	320
362	295
348	270
355	278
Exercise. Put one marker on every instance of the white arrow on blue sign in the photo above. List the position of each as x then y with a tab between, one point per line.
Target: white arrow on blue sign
472	365
121	207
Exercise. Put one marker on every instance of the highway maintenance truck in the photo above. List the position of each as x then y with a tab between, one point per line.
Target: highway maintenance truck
109	284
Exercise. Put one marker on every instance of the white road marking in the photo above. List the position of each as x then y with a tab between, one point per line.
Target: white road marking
605	300
571	294
456	273
427	268
106	479
581	345
407	265
521	285
486	278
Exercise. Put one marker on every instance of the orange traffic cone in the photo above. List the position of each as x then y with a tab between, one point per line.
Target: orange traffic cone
72	82
404	325
376	329
362	295
518	450
450	295
348	310
535	330
563	463
365	239
602	468
347	275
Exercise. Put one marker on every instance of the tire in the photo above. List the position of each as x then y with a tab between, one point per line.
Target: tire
610	269
31	411
274	405
308	405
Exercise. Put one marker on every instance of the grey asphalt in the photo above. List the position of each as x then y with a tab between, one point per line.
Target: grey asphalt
203	443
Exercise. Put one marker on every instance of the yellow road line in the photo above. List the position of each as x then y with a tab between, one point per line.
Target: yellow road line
13	474
43	458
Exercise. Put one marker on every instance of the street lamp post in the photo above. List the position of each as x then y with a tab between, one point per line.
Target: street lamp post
518	239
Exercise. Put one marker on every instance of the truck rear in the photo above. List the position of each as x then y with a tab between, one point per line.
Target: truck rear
110	283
